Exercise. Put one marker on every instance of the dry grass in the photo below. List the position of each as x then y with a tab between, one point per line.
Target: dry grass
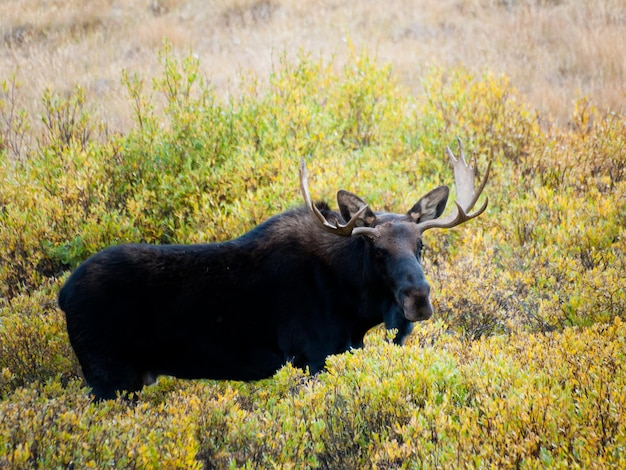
554	51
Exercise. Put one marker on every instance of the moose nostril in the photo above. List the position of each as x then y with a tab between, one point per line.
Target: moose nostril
416	304
420	299
422	291
416	296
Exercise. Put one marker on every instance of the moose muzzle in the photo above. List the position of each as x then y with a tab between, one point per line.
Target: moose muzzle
415	303
412	292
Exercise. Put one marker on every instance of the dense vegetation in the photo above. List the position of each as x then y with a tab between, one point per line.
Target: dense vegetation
523	365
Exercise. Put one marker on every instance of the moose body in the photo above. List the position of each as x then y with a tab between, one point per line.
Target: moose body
301	286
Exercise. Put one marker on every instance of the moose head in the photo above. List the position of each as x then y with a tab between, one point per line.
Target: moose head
395	240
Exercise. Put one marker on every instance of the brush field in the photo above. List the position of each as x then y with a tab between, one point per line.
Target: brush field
110	133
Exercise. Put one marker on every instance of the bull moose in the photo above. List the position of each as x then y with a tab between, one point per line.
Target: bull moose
305	284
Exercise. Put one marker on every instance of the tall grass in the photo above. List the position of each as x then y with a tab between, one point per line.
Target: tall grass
554	51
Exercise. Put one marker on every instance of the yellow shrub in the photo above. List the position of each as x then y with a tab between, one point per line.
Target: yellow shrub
523	365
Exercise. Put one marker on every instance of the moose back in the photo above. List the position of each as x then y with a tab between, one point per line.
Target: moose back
305	284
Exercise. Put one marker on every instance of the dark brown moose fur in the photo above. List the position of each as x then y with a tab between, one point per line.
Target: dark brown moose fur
287	291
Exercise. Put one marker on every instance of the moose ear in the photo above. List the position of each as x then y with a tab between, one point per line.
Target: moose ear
430	206
350	204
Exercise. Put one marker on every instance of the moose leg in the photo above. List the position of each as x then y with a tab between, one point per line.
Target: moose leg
110	378
394	319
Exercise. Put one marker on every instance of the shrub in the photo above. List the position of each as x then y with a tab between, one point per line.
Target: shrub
523	367
519	400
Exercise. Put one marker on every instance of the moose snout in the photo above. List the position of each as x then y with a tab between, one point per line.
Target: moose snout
415	302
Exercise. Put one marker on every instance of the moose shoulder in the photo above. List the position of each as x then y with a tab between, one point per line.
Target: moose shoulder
305	284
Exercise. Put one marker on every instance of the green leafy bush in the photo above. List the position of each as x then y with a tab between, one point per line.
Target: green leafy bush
523	400
523	366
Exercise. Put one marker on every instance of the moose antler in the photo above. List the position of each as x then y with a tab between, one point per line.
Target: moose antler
466	195
344	230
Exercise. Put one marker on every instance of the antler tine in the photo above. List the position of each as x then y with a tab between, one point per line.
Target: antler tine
467	196
345	230
304	189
